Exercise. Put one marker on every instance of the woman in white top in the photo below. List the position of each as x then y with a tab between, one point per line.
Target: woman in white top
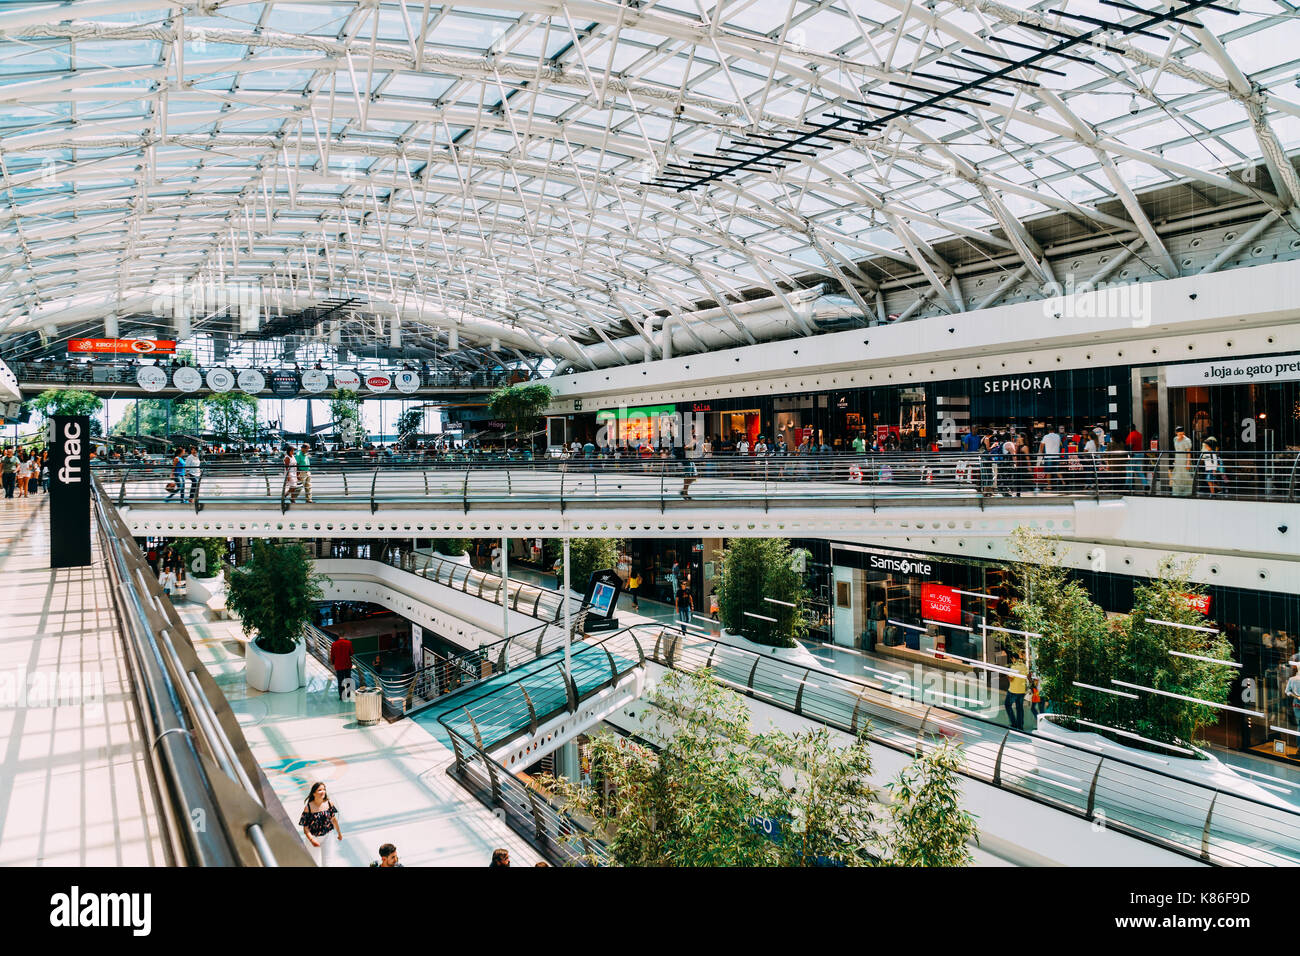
24	476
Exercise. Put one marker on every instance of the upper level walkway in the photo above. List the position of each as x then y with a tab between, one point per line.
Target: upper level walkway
1152	504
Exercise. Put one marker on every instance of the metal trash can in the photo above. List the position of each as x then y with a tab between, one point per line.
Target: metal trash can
370	705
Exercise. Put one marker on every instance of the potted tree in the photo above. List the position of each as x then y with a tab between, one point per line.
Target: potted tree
521	405
274	595
455	550
754	569
203	559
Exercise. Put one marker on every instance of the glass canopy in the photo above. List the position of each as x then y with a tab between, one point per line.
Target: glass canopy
473	177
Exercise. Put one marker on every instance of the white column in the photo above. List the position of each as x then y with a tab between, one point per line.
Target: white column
568	661
505	587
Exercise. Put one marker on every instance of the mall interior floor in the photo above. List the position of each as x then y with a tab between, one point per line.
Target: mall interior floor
74	776
389	780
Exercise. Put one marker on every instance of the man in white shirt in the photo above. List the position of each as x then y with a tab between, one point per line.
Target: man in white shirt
192	472
742	447
1051	450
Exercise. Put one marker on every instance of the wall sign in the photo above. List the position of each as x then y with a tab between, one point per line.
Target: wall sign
940	603
220	380
406	381
1198	602
378	383
1283	367
314	380
347	379
187	379
69	445
284	383
1018	383
251	381
121	347
151	378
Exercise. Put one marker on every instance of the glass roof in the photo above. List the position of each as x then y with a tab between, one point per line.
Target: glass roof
498	169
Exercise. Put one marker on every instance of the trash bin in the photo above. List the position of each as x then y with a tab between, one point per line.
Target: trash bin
370	705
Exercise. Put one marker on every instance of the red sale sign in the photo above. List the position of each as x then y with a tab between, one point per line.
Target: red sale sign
940	603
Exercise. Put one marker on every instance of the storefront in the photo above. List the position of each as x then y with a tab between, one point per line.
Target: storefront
1250	404
911	607
643	424
904	605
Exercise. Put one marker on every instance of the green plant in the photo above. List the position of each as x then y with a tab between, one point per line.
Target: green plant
717	793
149	416
274	593
930	827
520	405
409	424
754	569
1078	645
586	555
345	407
70	401
231	414
202	556
452	547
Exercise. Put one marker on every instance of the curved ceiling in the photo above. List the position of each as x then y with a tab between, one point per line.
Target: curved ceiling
499	169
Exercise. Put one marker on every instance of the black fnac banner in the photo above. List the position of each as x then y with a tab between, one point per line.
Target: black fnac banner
69	446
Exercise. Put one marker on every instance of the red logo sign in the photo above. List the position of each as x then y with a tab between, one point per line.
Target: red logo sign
940	603
1198	602
378	381
121	346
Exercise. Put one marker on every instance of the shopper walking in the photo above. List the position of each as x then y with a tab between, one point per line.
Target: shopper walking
1212	467
1180	474
634	588
23	475
387	856
303	461
685	604
320	818
341	660
177	484
1016	687
192	471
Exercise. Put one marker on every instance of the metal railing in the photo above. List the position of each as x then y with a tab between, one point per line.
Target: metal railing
773	481
124	373
1221	821
191	732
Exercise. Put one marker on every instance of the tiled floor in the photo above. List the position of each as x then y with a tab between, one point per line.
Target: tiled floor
389	780
74	785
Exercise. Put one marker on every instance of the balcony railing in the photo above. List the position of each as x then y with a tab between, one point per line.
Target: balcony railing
766	482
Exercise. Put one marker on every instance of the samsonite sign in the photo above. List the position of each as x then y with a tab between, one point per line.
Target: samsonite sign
69	446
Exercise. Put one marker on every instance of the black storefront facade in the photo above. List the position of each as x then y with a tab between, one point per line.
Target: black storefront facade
915	416
885	602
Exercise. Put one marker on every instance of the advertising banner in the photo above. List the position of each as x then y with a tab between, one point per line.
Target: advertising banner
378	383
251	381
406	381
1198	602
187	379
314	380
1283	367
69	445
284	383
347	379
940	603
151	378
120	347
220	379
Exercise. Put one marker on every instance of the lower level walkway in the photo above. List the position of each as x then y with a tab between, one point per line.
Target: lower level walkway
74	777
389	781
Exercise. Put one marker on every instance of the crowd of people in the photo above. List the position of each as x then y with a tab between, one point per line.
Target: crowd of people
24	473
